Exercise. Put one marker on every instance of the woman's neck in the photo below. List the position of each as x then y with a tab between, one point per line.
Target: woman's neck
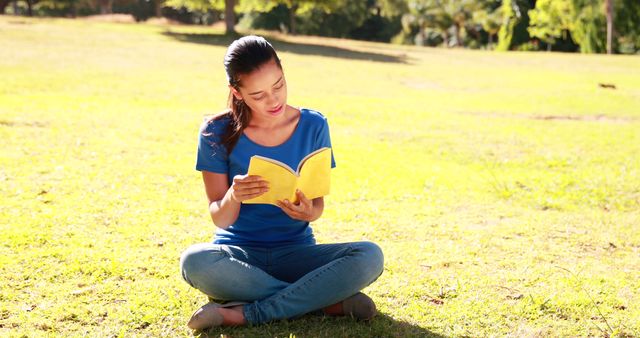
264	123
274	132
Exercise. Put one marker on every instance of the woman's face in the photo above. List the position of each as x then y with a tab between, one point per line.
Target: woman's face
264	90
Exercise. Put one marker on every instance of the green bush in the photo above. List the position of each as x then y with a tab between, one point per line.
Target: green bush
529	46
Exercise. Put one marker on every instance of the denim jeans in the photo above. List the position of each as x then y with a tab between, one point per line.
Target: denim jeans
282	282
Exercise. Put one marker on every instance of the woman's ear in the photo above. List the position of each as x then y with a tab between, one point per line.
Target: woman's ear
235	93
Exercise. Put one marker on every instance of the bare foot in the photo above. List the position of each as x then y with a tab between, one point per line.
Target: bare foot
232	316
211	314
359	306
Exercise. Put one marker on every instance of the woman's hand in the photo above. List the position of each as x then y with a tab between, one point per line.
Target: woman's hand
246	187
303	210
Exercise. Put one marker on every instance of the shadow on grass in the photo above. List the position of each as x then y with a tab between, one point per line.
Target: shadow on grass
321	326
290	47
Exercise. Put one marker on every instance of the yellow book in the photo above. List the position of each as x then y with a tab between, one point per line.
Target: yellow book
312	177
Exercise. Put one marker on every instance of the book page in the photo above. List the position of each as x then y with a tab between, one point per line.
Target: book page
282	182
315	175
311	154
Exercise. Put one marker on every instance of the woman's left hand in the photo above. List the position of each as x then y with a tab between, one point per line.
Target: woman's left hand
302	210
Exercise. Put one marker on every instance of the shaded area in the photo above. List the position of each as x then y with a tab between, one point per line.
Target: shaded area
290	47
321	326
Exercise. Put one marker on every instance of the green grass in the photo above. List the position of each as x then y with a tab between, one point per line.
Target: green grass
504	188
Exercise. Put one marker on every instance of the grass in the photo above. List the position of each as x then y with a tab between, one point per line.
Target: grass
504	188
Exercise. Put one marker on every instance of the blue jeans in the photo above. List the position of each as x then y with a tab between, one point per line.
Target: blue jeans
282	282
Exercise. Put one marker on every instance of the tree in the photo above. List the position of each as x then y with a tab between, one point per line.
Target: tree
589	26
3	5
428	14
204	6
451	13
391	8
609	12
605	25
626	32
157	7
70	7
30	4
515	20
295	7
335	22
106	6
490	22
441	15
550	20
230	16
464	19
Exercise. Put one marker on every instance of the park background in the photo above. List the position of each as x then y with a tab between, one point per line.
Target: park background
587	26
503	187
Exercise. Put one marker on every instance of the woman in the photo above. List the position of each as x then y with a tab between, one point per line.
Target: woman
264	258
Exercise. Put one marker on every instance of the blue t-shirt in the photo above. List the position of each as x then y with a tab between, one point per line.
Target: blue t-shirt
263	225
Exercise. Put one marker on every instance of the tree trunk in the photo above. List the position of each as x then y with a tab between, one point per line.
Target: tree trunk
490	40
458	38
157	4
15	7
292	18
230	16
29	8
609	10
105	6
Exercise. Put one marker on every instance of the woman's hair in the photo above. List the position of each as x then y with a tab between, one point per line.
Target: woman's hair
243	56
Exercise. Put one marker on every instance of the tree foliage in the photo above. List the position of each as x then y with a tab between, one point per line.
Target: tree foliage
453	20
627	25
490	20
589	26
197	5
295	7
586	22
550	20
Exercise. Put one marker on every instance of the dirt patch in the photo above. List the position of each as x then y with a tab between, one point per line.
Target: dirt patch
602	118
123	18
163	22
586	118
421	85
19	22
36	124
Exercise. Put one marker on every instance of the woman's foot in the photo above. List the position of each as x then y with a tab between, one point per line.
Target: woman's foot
212	314
359	306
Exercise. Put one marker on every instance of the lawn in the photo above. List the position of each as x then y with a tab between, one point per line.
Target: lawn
504	188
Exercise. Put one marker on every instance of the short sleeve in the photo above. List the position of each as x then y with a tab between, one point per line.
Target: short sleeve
212	155
324	140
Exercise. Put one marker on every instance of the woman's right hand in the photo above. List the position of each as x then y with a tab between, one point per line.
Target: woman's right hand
246	187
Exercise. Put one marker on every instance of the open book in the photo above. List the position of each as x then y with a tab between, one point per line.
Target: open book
312	177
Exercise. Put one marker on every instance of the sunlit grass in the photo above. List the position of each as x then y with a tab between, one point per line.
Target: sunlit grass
484	177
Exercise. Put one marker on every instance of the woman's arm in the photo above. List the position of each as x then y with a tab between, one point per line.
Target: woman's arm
225	200
318	207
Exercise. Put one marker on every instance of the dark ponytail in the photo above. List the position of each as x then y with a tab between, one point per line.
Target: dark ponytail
244	56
